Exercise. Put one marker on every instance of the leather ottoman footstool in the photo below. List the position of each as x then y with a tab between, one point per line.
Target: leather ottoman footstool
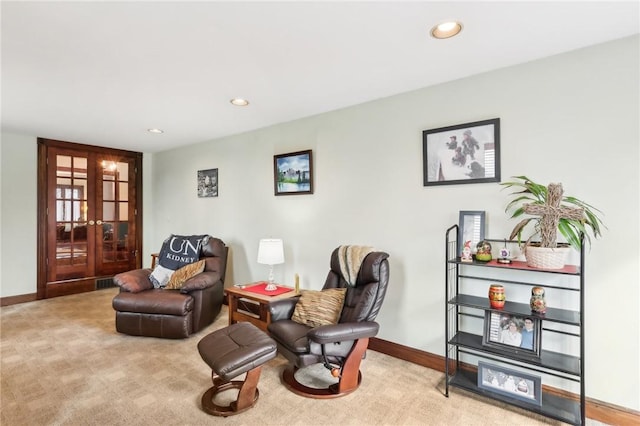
231	351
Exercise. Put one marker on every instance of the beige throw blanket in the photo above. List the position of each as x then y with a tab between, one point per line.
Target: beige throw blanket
351	258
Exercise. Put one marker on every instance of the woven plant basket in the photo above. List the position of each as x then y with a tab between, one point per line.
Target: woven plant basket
546	258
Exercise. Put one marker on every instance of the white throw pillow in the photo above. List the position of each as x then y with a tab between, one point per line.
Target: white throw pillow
160	276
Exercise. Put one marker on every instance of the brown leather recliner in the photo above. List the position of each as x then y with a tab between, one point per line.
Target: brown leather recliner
142	310
340	347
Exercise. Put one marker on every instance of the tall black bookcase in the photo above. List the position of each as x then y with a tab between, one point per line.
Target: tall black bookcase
559	370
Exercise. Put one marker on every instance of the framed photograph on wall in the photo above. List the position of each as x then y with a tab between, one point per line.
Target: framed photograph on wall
510	383
470	228
208	183
293	173
517	334
464	153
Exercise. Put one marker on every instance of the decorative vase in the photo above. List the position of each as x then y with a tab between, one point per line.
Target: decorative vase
483	252
496	296
537	303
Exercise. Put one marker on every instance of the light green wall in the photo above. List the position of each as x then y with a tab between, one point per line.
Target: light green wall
18	213
571	118
18	206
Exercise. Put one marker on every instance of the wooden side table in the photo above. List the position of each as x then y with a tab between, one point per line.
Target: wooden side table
252	307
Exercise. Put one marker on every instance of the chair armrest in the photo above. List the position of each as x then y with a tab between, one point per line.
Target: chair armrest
341	332
134	281
201	281
282	309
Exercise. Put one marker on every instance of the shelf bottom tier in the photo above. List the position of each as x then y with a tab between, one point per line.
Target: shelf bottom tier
554	406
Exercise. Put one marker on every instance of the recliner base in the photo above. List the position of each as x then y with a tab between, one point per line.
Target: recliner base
350	376
332	391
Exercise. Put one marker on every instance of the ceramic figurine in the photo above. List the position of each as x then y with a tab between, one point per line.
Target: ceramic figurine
497	297
537	303
466	252
504	254
483	254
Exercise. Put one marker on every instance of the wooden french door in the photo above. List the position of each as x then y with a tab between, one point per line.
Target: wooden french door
90	226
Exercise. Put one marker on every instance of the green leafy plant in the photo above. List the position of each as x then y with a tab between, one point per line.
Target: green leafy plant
551	212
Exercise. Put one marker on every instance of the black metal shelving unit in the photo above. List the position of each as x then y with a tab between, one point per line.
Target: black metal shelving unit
463	346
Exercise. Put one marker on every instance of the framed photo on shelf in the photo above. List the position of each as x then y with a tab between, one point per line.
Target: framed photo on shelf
470	228
513	333
510	383
464	153
293	173
208	183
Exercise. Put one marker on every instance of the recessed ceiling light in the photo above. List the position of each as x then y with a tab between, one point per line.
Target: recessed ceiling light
239	102
446	29
158	131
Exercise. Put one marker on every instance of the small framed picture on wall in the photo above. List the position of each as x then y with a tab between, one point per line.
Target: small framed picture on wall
207	183
293	173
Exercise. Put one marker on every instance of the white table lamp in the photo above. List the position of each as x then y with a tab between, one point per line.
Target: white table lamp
270	252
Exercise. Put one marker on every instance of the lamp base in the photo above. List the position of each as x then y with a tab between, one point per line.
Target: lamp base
271	287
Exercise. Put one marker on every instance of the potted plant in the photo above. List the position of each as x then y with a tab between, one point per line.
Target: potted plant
550	212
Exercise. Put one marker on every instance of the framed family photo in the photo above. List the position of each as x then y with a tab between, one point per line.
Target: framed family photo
510	383
464	153
293	173
208	183
513	333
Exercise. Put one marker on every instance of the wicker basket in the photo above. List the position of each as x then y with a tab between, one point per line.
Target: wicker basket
546	258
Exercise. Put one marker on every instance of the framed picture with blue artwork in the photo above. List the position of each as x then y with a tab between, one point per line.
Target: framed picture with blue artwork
293	173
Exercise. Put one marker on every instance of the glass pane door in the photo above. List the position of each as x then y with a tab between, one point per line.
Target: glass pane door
69	217
115	214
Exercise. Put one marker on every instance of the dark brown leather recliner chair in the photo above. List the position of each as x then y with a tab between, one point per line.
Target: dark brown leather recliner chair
340	347
142	310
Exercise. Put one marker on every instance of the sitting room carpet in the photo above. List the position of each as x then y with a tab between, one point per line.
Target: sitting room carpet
63	363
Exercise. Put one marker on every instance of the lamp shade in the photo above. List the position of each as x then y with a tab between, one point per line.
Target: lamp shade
270	252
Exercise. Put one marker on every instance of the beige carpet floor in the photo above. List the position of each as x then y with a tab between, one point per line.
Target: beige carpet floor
63	363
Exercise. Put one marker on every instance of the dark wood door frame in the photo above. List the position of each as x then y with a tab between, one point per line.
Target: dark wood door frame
42	252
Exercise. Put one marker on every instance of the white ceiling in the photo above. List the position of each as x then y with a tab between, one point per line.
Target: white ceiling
102	73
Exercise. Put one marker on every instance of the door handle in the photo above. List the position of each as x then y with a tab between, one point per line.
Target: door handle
91	222
98	222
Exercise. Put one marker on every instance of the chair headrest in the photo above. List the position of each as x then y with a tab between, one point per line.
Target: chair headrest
362	302
213	247
369	269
